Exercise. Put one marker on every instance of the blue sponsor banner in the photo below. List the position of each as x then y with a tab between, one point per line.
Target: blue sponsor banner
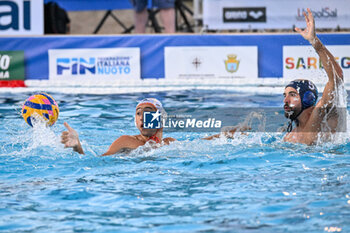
270	49
101	64
85	5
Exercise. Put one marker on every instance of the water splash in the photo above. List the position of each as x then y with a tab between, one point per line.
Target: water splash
25	141
338	113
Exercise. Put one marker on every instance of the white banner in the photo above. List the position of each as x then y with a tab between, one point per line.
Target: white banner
211	62
94	64
22	17
274	14
303	62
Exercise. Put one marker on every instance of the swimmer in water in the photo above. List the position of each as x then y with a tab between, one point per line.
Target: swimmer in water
70	138
300	96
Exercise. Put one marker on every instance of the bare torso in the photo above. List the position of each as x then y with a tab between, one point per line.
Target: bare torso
328	127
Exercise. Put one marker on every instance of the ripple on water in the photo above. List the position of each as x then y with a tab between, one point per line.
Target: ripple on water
253	183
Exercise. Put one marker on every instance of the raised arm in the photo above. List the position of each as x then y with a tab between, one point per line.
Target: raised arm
332	68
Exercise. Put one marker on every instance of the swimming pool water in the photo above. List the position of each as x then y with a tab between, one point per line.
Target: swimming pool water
254	183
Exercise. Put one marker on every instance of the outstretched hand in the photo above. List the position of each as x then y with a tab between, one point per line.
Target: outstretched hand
239	128
229	131
309	32
70	139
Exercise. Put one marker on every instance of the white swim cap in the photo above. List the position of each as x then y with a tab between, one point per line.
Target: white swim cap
152	101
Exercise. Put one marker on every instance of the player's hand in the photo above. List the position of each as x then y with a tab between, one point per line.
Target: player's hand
309	32
239	128
70	138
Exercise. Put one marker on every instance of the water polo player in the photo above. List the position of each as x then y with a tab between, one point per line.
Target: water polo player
300	96
70	138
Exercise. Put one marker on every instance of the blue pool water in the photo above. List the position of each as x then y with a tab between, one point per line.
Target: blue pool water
254	183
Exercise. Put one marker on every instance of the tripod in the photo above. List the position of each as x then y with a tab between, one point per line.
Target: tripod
181	9
151	18
180	13
110	13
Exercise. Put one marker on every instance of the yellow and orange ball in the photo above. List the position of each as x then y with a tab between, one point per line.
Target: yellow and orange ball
40	106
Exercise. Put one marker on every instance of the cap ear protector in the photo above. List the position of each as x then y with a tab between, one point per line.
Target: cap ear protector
308	100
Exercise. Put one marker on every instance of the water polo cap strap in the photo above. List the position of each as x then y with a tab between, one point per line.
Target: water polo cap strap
290	126
154	137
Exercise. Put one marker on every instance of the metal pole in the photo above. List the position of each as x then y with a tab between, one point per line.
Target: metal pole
197	16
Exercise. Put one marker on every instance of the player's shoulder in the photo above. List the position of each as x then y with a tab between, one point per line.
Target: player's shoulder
128	137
